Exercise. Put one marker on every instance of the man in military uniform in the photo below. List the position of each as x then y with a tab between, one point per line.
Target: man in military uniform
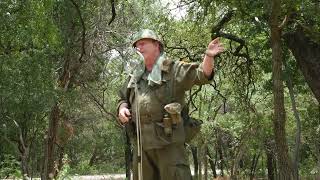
151	103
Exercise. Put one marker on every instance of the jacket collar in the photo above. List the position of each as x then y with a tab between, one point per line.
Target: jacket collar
155	76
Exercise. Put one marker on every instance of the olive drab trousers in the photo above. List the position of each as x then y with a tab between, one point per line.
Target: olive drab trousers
167	163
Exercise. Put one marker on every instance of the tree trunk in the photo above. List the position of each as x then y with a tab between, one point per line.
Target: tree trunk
235	163
72	26
93	156
269	154
200	156
279	119
194	151
254	164
205	161
23	150
24	164
307	54
298	133
318	152
212	163
60	161
270	166
24	155
318	155
219	148
49	159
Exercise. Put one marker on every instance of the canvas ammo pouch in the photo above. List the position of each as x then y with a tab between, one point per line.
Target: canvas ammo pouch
191	125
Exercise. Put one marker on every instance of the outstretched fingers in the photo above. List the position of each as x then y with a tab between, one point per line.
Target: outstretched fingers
215	48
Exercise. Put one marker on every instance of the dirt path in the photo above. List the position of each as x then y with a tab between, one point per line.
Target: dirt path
101	177
90	177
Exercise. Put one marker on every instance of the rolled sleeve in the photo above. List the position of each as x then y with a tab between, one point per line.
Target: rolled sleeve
203	77
190	74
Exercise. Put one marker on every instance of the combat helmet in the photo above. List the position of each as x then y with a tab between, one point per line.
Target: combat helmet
147	34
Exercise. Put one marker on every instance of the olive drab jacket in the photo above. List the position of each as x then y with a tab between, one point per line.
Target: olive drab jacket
176	78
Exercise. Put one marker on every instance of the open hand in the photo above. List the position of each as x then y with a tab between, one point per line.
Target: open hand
214	48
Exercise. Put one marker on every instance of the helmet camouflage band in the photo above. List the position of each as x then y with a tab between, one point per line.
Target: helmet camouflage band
146	34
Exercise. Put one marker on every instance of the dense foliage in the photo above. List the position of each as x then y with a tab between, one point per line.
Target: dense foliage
62	63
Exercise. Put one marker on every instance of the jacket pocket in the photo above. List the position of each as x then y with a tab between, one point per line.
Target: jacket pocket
177	136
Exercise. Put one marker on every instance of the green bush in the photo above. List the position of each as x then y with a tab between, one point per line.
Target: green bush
10	167
64	173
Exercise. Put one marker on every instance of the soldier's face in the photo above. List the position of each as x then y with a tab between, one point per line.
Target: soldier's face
149	48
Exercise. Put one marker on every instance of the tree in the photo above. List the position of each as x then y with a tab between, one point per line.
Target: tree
27	90
307	53
279	119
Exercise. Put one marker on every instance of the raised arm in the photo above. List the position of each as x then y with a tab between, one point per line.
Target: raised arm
214	48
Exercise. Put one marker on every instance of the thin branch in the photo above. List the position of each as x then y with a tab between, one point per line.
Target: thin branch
216	29
191	99
113	10
20	135
284	22
214	85
83	40
239	48
247	63
184	49
95	99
